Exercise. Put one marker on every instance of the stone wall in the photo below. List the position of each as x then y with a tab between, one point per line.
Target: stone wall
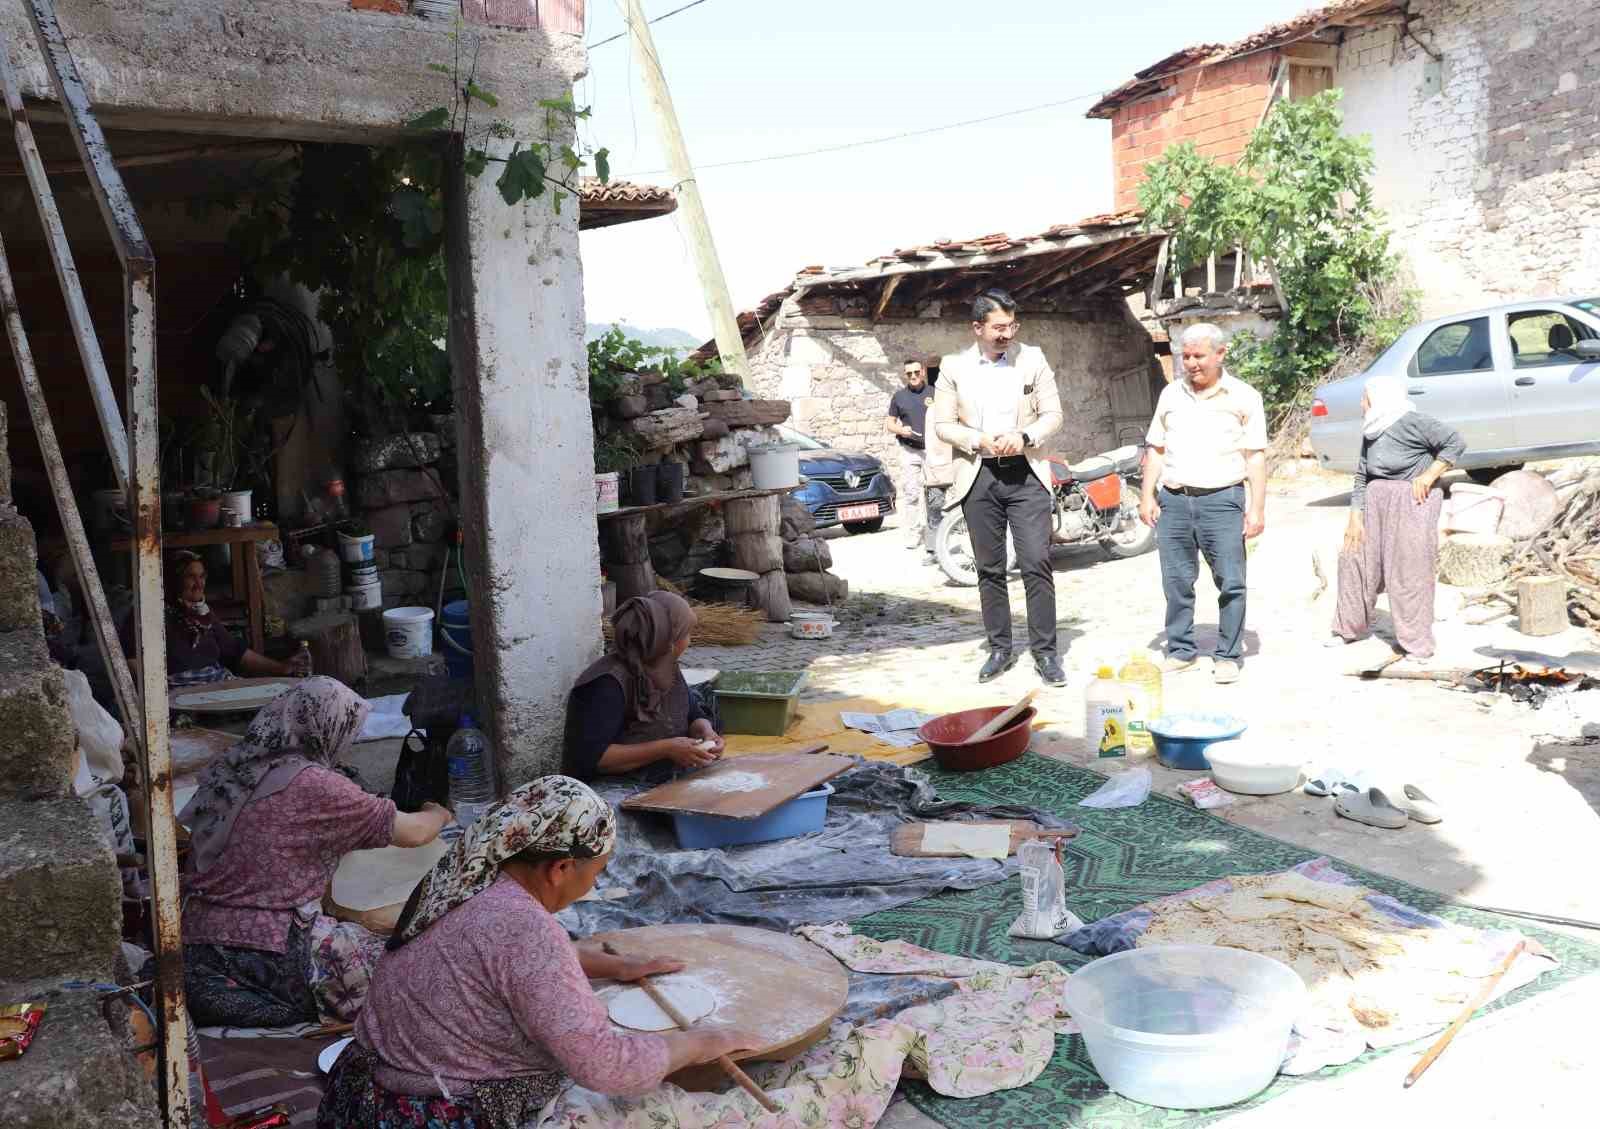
1488	162
839	373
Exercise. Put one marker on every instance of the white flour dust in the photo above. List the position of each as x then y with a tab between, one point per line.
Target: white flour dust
730	782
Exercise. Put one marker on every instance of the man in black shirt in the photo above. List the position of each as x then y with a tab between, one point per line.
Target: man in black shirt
908	413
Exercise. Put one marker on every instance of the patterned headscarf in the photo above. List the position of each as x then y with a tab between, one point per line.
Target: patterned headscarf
312	724
554	815
644	630
196	619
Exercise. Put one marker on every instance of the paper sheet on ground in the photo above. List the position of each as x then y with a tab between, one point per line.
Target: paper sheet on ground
979	841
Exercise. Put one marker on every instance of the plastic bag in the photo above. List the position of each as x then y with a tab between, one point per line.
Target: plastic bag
1124	790
1044	894
99	735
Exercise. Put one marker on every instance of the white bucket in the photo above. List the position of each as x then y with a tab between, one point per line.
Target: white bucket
810	625
607	495
1472	509
236	502
365	597
408	632
775	466
356	550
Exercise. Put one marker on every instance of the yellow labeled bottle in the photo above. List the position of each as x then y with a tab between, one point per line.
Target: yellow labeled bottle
1105	715
1141	687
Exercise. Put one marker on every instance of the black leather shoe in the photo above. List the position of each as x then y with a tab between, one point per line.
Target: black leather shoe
1050	672
998	663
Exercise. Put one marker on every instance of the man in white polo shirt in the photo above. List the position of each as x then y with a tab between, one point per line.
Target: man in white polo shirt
1205	487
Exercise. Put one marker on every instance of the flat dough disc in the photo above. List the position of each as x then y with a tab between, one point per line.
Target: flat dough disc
635	1010
384	876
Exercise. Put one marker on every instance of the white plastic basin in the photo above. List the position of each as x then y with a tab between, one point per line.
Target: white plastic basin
1186	1026
1254	767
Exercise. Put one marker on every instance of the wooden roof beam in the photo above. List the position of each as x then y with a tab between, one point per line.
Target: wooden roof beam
886	292
1089	262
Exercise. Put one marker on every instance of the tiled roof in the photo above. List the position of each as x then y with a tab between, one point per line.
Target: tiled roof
1340	14
621	201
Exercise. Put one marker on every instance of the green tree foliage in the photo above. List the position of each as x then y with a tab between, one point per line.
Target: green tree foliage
614	358
1299	199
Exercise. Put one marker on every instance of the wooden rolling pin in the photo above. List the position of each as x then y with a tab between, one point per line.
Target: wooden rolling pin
746	1083
1473	1005
1002	721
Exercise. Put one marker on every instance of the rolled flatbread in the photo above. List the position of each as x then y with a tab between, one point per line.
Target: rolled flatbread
636	1010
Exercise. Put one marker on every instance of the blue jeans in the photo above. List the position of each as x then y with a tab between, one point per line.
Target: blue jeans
1213	524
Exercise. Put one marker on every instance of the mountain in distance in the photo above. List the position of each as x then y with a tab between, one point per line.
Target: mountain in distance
677	339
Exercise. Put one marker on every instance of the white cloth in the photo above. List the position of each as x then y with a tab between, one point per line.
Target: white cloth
1387	401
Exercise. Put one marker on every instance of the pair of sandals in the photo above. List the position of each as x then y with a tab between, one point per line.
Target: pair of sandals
1372	806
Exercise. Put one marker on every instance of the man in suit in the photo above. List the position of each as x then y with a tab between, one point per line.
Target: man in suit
996	404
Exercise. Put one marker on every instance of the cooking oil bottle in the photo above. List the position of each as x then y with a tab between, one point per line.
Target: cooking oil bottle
1141	687
1105	715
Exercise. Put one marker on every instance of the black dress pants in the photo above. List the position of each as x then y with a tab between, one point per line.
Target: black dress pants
1006	493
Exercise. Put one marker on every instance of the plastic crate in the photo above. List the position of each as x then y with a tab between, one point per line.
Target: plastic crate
800	816
762	703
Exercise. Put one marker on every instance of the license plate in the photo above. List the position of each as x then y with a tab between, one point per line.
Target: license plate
856	513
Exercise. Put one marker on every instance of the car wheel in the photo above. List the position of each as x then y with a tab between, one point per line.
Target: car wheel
1484	475
870	526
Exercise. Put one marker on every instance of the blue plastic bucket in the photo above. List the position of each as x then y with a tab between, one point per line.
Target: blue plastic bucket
455	628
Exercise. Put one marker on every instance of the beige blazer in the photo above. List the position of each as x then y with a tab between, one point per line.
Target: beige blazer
958	409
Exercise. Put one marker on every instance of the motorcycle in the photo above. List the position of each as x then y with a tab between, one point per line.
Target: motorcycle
1096	501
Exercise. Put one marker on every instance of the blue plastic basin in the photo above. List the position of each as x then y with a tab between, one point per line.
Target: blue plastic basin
1182	738
800	816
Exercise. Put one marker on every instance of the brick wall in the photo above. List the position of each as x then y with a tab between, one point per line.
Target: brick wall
1215	107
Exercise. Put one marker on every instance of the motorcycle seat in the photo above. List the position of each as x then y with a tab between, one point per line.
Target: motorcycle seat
1060	473
1129	459
1094	468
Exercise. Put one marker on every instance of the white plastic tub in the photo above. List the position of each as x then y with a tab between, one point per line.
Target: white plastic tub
356	550
365	597
775	466
408	632
1254	767
1472	509
236	502
1186	1026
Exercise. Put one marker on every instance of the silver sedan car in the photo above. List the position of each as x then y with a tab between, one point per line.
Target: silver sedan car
1520	382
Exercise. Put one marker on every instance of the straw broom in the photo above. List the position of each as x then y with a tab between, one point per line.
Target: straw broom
720	625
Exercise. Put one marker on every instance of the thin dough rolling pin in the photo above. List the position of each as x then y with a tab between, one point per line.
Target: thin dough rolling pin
746	1083
997	724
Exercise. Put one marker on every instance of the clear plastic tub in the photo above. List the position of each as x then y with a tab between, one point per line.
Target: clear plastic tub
1186	1026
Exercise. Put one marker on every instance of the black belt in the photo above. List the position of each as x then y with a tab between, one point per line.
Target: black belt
1198	491
1006	460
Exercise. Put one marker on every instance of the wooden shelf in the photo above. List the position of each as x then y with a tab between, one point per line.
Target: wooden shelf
673	508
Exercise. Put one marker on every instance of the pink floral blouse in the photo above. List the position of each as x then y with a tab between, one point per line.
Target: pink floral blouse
282	854
493	990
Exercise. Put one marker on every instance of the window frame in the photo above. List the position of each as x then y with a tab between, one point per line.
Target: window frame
1414	365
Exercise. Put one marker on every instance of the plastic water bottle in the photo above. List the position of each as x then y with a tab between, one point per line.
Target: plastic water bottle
1105	715
467	761
1141	685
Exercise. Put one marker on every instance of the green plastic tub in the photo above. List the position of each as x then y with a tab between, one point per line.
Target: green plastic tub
761	702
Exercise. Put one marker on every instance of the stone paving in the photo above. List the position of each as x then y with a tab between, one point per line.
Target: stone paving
1521	789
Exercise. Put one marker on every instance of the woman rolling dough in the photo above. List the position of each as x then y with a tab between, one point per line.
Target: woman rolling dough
481	1012
633	708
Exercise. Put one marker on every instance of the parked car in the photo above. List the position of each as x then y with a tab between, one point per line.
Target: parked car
841	487
1520	382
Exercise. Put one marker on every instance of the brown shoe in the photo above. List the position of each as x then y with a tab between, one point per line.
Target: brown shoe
1225	671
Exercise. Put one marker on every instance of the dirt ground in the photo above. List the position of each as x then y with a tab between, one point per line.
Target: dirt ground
1520	788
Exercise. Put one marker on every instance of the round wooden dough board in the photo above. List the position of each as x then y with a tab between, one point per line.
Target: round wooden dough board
779	987
193	699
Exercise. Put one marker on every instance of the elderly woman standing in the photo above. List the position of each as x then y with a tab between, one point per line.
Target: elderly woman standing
633	708
268	826
481	1014
1391	543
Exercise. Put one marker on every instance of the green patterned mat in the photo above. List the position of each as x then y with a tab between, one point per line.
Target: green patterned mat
1120	859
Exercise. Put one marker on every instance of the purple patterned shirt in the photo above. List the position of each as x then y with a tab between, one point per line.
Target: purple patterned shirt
493	990
282	854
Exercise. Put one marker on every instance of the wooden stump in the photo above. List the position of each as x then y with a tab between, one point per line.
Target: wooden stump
335	643
626	549
1541	605
758	552
752	515
1473	560
771	595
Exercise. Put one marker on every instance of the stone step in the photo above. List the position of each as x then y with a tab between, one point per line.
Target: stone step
38	742
61	894
79	1072
19	578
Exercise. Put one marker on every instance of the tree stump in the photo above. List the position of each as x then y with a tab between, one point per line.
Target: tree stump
771	595
758	552
1541	605
335	643
625	547
752	515
1473	560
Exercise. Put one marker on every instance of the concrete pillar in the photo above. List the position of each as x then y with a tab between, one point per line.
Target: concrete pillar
527	462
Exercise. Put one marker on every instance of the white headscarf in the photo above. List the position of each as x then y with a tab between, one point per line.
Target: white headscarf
1387	401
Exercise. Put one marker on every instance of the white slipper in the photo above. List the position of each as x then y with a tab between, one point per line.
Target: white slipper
1419	805
1371	807
1330	782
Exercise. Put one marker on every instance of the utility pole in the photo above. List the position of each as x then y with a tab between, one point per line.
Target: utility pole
730	343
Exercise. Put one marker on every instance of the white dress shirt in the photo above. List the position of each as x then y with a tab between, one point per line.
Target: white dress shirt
1001	389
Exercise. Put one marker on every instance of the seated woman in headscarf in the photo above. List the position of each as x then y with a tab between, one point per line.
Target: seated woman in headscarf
481	1013
1391	543
268	826
199	648
633	708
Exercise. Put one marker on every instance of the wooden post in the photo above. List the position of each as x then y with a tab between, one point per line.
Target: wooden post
730	342
627	556
335	642
1541	605
753	533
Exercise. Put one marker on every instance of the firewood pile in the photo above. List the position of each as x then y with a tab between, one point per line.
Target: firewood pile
1566	547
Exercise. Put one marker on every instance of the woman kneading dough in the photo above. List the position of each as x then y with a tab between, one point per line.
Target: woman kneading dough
481	1013
269	824
633	707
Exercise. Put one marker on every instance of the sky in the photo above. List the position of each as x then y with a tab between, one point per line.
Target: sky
755	78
